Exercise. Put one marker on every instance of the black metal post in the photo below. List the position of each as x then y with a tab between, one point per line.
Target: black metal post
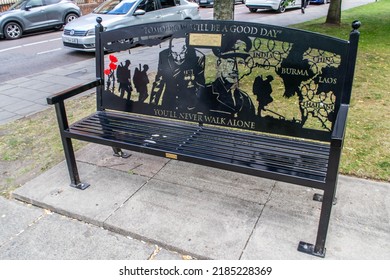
99	56
327	202
352	54
68	148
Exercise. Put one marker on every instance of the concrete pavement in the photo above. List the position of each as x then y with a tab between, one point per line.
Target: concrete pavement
146	207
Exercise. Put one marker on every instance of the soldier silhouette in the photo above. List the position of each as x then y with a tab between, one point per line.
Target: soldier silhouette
141	80
263	89
123	75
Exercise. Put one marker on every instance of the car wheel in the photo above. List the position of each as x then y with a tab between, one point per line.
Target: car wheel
70	17
13	30
282	7
252	10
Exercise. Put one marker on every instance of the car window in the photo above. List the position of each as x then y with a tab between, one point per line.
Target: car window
148	5
34	3
115	7
167	3
51	2
17	5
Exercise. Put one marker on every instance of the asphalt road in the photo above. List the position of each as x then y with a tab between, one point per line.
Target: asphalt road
42	51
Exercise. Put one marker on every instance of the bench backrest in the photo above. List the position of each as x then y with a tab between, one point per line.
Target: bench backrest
237	74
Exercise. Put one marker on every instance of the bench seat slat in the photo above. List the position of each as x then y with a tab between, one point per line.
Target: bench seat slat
305	159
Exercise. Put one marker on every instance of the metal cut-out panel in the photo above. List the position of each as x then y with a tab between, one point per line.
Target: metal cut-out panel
232	74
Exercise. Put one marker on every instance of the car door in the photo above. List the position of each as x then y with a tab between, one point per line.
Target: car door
34	15
54	13
152	9
169	10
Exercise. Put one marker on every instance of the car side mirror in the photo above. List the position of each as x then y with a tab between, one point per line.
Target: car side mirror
28	7
139	12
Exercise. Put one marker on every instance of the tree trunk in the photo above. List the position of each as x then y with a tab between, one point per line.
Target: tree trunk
224	9
334	12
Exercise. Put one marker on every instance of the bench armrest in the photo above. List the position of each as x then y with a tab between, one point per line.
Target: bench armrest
61	96
339	127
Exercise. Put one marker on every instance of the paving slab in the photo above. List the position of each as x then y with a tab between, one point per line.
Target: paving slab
32	84
137	163
5	116
4	87
233	184
56	237
16	106
29	94
188	220
359	225
109	190
7	101
15	217
363	202
289	216
32	109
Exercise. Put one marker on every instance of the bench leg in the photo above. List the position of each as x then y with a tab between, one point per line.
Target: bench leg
119	153
318	249
319	197
328	200
68	148
72	165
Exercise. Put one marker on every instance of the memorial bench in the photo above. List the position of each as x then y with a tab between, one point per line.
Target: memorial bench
258	99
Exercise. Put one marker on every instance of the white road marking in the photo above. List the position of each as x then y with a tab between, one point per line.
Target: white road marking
17	47
35	43
49	51
32	44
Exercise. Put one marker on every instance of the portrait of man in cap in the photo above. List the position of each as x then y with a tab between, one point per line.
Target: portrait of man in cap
223	95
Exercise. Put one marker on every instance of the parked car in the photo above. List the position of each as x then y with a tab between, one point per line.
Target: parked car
80	33
320	1
33	15
210	3
276	5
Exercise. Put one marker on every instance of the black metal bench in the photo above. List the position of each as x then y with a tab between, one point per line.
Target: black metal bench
258	99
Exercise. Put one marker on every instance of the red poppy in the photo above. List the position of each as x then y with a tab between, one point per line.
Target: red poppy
107	71
112	66
113	58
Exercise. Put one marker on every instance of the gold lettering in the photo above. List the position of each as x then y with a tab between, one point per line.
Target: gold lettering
325	80
295	72
319	59
165	113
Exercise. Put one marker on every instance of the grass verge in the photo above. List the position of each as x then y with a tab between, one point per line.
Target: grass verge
367	146
31	145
